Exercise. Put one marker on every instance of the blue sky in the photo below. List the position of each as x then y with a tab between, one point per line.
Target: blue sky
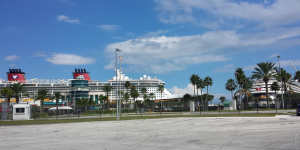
167	39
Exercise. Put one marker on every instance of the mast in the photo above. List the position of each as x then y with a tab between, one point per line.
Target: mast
293	66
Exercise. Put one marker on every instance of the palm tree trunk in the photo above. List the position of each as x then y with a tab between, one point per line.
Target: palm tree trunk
161	100
201	98
210	93
134	102
231	95
267	94
56	107
194	90
207	99
197	94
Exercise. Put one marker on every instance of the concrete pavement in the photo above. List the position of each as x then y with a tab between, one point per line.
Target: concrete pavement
168	133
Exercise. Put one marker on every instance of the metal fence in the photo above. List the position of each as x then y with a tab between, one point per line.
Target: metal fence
6	111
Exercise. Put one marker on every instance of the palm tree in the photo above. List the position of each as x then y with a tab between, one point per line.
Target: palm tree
144	90
161	89
127	85
193	80
132	87
107	88
200	85
42	95
211	97
126	97
207	81
265	72
57	96
152	95
186	98
247	85
297	75
91	102
230	86
134	94
17	88
145	97
240	77
7	93
210	84
285	77
275	87
103	98
222	99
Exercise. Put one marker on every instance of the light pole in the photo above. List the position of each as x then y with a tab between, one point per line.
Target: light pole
120	58
117	50
281	83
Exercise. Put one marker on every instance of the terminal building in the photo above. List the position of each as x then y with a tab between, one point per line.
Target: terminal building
81	86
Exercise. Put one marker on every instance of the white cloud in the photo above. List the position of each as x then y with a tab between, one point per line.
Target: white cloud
188	89
12	57
109	27
38	54
130	33
165	54
230	68
11	65
69	59
274	55
283	63
67	19
154	34
276	14
287	63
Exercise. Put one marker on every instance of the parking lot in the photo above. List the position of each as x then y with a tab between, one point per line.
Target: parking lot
279	132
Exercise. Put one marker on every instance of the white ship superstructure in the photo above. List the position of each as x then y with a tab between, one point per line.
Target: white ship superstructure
259	88
94	88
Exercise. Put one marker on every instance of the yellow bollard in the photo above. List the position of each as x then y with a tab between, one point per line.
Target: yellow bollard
150	111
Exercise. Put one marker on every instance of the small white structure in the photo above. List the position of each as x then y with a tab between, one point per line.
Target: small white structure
192	106
230	105
21	112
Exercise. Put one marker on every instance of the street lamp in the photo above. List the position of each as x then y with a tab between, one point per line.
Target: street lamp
117	50
120	58
281	83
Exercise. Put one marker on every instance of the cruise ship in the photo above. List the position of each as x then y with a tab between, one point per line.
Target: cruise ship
258	89
82	86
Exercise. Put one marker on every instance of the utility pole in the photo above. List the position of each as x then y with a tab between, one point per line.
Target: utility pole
281	83
120	58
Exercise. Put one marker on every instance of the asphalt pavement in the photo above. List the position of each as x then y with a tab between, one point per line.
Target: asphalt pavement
236	133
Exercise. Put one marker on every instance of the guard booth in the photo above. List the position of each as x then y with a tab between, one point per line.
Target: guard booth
230	105
21	112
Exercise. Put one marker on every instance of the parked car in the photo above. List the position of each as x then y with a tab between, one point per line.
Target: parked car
298	110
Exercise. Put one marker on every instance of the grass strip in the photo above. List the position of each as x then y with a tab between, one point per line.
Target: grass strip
30	122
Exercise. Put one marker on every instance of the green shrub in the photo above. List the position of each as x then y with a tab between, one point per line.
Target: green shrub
247	107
